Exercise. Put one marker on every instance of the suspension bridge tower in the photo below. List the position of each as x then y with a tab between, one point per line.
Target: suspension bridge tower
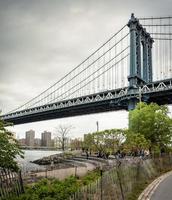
140	59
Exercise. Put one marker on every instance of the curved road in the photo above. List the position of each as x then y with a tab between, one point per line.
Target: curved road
164	190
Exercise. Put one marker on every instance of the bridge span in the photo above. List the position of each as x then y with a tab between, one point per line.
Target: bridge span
134	65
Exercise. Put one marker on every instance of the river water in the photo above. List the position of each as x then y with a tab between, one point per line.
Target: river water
31	155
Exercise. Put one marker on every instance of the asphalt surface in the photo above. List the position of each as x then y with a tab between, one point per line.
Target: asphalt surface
164	190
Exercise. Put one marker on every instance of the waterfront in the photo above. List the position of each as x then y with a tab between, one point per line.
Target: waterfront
31	155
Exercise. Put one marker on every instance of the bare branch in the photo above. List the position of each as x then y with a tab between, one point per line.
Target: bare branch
61	134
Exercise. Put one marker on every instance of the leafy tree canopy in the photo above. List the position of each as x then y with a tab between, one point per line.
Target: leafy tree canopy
107	141
153	122
135	142
9	148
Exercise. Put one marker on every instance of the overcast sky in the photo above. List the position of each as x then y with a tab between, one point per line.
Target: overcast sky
42	40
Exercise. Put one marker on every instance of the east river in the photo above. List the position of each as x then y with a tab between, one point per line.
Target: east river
31	155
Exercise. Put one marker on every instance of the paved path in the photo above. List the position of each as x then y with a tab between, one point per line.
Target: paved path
164	190
152	188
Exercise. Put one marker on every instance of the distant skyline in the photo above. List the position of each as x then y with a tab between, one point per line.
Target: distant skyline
80	125
42	40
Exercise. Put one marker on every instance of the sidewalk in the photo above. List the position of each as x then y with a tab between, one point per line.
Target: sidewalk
149	191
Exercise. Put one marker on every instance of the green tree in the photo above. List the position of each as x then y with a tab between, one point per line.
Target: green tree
153	122
113	140
88	142
107	141
9	148
135	142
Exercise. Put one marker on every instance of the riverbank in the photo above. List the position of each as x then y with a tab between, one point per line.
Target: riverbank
64	165
59	161
26	163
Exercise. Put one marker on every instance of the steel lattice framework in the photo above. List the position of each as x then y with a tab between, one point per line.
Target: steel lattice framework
135	63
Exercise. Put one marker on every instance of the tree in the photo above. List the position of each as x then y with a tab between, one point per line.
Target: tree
114	139
153	122
88	143
104	142
9	149
61	135
135	142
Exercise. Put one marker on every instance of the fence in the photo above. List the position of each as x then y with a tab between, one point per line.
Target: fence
10	184
119	182
116	184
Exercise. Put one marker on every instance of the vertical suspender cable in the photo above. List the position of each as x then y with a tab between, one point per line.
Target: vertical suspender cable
103	82
110	71
115	86
122	62
170	52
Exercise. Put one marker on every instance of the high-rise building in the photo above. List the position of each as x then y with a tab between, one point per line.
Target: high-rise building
37	142
30	137
46	139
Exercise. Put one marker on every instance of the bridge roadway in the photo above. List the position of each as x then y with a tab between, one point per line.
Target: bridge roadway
159	92
164	190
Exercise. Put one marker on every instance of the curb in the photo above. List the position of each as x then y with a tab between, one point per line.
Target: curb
148	192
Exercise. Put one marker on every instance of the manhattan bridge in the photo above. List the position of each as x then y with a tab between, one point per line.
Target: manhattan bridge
134	65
